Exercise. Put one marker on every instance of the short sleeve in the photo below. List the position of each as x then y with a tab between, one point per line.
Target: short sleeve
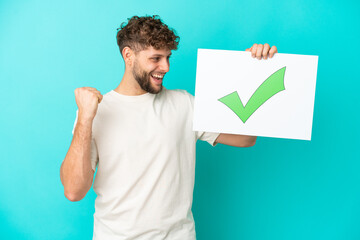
94	156
209	137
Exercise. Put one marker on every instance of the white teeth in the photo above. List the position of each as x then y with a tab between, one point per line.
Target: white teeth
157	76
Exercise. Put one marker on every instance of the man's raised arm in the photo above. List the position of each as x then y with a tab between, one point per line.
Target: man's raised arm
76	173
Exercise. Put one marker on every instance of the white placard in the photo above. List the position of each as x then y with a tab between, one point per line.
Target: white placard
288	110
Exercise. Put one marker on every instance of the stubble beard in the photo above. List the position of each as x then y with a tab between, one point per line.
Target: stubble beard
143	79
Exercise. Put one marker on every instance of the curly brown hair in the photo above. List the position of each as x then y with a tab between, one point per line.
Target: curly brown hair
142	32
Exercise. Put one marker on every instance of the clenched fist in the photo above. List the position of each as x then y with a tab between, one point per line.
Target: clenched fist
87	100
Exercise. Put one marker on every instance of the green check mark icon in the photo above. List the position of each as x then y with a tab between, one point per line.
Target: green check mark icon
271	86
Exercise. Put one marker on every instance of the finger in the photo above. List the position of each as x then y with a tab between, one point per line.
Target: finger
259	51
89	88
98	95
80	91
93	90
247	50
101	97
272	51
253	50
266	50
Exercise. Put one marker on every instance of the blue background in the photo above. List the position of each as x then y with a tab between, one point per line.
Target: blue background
279	189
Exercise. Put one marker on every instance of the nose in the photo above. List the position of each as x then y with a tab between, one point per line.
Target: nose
164	66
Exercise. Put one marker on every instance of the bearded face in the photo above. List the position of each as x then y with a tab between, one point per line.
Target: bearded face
144	79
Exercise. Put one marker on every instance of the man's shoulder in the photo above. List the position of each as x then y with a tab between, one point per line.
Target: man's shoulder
178	93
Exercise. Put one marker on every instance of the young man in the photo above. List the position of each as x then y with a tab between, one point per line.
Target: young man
140	139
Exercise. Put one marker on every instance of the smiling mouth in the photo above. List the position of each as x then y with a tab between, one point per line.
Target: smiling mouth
157	78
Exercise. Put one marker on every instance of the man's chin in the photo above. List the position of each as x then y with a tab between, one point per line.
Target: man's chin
156	86
152	88
157	89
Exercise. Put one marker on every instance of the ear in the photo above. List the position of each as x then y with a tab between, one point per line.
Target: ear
128	56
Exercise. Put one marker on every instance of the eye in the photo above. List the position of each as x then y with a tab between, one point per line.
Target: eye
155	59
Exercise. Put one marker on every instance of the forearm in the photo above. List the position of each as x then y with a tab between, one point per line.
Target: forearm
76	173
236	140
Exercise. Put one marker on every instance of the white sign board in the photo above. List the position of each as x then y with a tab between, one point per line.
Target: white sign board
238	94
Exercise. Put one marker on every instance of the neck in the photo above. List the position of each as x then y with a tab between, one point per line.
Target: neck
129	86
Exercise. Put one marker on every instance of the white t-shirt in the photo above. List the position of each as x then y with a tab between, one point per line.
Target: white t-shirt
144	150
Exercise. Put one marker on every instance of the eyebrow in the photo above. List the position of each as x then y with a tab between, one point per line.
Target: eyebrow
159	55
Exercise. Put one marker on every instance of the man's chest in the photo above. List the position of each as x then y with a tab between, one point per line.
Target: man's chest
129	129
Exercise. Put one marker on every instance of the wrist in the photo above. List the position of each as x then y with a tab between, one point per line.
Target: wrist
84	119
